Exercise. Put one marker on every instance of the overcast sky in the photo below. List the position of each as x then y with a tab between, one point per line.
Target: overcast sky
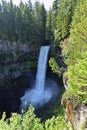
47	3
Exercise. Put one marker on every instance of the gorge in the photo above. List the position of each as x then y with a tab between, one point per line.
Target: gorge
43	90
50	87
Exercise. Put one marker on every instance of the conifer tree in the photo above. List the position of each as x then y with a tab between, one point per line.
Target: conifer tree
40	20
75	52
49	31
23	23
76	45
64	18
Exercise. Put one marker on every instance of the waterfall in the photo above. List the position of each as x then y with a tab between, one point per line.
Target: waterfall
41	92
41	70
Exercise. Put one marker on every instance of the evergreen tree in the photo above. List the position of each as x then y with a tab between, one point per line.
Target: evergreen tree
49	31
1	23
8	21
12	33
55	6
64	18
23	23
43	24
28	22
51	21
4	20
40	20
75	52
76	45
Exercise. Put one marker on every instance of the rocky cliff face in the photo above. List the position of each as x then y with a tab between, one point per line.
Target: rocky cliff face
76	116
16	58
6	46
75	112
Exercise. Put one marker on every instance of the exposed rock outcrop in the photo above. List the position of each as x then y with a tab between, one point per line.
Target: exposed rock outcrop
6	46
75	110
65	82
16	57
76	114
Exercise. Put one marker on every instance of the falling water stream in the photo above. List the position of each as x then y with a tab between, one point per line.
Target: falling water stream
42	91
41	70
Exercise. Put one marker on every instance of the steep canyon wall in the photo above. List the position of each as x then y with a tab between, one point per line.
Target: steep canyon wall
16	57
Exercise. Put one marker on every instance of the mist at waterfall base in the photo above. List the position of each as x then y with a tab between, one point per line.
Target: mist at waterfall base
43	91
39	98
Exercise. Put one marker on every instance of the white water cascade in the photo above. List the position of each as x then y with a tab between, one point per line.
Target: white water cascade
41	70
41	93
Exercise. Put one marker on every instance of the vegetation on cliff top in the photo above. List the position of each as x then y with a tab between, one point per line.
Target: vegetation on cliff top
75	53
67	25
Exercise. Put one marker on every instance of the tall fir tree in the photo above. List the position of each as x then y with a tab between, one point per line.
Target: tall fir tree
49	29
64	19
40	18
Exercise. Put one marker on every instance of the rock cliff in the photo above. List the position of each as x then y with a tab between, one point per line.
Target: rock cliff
16	57
75	112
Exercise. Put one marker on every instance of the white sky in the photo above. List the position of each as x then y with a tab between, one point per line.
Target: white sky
47	3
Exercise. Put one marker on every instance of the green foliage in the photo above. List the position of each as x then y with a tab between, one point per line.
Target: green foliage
64	18
5	57
57	123
78	80
13	69
29	64
22	23
76	46
74	50
54	66
40	19
66	49
68	19
29	121
49	28
18	122
7	20
51	21
69	96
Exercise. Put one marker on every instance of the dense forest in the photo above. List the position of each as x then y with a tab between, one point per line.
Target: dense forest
23	23
64	26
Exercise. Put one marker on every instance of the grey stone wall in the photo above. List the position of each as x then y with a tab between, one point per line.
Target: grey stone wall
16	57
